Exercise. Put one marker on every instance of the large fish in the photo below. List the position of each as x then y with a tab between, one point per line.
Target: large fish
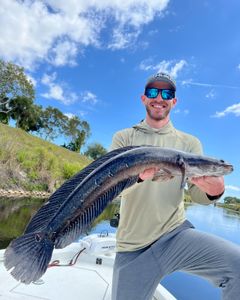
74	206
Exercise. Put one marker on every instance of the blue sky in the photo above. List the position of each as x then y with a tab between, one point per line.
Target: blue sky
92	58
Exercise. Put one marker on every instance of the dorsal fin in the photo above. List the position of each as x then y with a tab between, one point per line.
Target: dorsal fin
49	209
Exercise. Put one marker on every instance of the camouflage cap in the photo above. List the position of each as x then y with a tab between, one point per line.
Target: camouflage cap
161	77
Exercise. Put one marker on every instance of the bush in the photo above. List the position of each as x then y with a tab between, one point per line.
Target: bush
70	169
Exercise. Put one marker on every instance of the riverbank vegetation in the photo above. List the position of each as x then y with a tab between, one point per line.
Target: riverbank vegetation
29	159
30	163
231	203
18	108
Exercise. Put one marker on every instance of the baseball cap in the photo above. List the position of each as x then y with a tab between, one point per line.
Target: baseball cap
161	76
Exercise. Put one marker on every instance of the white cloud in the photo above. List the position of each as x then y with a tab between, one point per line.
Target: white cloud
69	115
89	97
176	29
57	91
123	39
171	67
48	79
55	31
233	109
177	67
82	113
210	85
61	92
63	53
153	32
32	79
211	94
183	112
233	188
238	66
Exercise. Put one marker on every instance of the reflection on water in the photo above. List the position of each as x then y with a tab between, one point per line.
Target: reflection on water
16	213
14	216
216	220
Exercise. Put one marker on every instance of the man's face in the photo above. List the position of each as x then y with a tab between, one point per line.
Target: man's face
157	108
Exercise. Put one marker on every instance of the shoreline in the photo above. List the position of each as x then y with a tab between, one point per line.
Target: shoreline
232	208
21	193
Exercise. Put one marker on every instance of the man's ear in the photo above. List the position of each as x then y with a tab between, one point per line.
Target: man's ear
174	102
143	98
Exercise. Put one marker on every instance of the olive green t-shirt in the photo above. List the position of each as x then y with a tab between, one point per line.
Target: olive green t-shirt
150	209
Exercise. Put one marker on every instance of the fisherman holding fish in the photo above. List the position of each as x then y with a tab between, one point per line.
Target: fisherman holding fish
149	164
154	238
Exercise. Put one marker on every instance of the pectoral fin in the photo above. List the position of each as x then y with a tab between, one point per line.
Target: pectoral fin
182	165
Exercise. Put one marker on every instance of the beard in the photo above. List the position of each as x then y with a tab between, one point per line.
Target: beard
156	116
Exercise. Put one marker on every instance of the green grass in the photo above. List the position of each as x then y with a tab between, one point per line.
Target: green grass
30	163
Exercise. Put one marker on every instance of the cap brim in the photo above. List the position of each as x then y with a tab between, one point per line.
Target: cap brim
150	82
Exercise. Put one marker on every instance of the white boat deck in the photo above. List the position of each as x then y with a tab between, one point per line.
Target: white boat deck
88	279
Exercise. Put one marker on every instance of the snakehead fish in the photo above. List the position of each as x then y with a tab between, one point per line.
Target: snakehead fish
74	206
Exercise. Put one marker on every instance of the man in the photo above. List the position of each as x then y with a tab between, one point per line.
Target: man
154	238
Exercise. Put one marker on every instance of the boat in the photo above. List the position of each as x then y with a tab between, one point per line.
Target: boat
81	271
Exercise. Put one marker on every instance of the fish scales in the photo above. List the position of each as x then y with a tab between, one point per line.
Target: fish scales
80	200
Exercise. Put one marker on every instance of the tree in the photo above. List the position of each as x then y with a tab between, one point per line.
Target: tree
231	200
4	109
95	151
13	83
53	122
26	114
77	131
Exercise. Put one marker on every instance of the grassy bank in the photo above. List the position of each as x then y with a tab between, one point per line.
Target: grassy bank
30	163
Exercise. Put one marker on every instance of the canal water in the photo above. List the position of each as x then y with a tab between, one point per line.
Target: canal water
15	214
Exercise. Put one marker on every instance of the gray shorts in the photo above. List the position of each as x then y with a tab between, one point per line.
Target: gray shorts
136	274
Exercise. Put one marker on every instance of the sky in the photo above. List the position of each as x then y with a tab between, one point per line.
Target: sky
92	59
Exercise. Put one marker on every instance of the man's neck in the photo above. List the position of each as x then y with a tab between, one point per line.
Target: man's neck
155	123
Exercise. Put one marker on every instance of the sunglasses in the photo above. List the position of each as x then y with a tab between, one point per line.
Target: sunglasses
165	93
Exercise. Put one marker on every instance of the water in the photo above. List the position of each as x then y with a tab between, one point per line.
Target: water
218	221
15	214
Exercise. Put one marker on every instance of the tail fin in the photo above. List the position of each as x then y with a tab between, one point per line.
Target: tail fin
28	256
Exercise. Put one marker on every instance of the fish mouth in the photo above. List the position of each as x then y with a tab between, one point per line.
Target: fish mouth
227	165
228	168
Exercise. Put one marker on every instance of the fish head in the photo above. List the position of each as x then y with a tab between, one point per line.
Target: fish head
217	167
222	167
206	166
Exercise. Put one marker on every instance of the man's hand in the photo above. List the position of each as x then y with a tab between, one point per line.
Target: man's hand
148	173
211	185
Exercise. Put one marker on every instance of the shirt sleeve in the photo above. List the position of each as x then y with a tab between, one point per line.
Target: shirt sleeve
118	141
196	194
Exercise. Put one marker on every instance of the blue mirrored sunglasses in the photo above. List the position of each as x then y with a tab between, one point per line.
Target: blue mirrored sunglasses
165	93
